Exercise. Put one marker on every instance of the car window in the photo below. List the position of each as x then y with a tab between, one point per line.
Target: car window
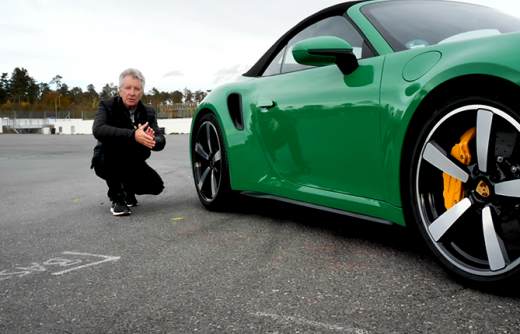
337	26
276	64
416	24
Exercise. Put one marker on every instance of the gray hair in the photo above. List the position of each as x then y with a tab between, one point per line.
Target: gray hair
133	72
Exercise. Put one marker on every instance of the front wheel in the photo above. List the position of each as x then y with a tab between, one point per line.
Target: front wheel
210	164
465	188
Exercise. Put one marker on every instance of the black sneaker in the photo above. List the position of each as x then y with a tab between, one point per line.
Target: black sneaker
131	200
119	209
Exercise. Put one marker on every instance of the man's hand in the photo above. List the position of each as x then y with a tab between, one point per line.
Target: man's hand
150	132
146	138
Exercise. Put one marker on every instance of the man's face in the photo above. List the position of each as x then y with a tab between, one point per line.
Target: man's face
131	91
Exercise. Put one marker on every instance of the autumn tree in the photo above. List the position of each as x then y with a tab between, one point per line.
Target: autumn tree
109	90
188	95
64	90
78	98
4	88
153	91
199	96
22	92
7	106
19	85
91	93
33	91
43	89
57	81
176	97
154	97
92	96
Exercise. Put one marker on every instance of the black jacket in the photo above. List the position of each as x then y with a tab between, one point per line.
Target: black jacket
114	130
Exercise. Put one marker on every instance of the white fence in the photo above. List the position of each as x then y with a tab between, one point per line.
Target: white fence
79	126
21	125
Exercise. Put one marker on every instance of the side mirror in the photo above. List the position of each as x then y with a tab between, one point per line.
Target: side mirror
326	50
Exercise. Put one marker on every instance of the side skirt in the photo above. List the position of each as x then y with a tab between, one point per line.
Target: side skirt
318	207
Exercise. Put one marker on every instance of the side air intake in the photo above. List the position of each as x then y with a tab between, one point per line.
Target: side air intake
234	104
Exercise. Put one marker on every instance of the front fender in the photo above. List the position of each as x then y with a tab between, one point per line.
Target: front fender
402	99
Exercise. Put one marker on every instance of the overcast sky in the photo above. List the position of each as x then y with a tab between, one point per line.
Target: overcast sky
175	43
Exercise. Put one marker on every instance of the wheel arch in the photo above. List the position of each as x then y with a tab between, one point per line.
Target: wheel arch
234	152
203	110
450	90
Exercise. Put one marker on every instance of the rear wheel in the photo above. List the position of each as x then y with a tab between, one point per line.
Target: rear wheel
466	200
210	164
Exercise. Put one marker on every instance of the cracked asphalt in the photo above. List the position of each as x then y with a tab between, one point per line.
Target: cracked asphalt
68	266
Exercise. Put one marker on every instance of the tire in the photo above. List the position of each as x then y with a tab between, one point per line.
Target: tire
210	164
478	238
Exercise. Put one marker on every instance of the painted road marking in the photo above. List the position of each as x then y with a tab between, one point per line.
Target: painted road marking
300	321
73	264
105	259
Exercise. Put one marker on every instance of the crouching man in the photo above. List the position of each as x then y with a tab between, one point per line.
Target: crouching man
127	132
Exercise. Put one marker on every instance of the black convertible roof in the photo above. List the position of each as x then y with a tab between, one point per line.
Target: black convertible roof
264	61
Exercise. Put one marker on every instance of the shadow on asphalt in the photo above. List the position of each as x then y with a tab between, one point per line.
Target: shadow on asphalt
394	237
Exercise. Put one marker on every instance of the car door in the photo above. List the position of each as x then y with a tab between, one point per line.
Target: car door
321	128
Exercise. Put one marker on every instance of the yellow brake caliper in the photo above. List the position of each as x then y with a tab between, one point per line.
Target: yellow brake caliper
453	188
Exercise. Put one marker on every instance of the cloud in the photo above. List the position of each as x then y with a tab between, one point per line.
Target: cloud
173	74
228	74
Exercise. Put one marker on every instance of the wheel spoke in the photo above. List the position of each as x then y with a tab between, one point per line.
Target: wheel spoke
200	151
217	156
208	134
214	186
478	236
435	155
493	249
484	122
440	226
203	178
508	188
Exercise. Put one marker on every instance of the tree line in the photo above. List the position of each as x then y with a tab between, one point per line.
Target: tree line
20	92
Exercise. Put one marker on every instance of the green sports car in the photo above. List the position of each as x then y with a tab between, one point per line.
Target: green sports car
397	111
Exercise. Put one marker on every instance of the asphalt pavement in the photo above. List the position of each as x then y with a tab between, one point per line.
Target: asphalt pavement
68	266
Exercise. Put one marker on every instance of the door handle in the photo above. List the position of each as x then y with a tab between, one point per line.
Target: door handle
265	104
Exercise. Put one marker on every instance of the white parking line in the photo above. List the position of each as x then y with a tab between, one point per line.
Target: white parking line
106	259
300	321
35	267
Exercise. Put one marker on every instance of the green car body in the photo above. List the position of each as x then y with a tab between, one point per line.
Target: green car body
345	142
365	177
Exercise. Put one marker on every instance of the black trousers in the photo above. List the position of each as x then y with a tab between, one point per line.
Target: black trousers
125	175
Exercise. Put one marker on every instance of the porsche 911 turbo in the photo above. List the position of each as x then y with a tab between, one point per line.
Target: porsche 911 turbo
397	111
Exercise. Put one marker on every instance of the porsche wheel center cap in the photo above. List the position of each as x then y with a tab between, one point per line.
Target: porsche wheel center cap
483	189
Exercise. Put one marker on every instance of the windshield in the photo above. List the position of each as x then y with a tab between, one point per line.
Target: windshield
413	24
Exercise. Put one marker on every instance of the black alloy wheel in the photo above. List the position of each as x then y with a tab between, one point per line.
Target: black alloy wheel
478	238
210	165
